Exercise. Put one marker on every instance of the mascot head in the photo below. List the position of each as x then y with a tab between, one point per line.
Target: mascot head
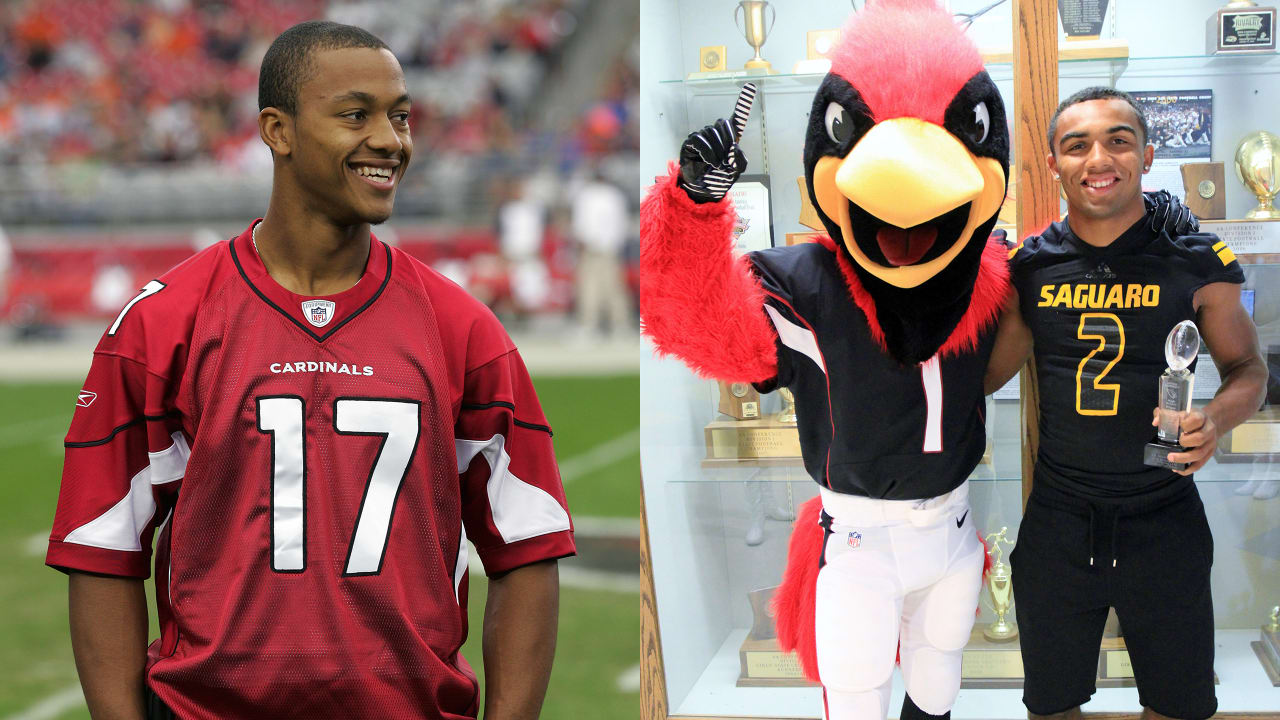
907	160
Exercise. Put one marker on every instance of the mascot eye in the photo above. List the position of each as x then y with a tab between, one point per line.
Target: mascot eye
981	123
839	124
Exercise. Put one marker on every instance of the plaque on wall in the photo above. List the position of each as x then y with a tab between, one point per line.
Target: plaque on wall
1082	19
1243	29
1206	192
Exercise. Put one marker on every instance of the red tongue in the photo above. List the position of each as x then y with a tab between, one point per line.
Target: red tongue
904	247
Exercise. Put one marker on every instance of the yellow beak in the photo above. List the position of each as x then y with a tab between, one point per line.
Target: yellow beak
906	171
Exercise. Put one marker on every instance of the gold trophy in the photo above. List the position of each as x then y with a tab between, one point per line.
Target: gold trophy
788	414
1000	584
754	30
1258	167
1267	647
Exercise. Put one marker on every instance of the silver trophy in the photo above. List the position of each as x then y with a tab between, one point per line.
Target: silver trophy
1180	350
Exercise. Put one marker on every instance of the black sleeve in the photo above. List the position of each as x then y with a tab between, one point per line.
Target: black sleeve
778	301
1210	259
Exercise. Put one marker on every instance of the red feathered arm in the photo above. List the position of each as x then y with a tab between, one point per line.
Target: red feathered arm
697	301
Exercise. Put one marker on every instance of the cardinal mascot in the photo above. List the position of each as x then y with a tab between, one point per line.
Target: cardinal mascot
882	332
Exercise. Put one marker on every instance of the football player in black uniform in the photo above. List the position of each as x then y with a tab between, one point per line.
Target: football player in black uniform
1096	295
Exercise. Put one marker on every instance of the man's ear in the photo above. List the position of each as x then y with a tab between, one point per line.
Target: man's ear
1052	161
1148	156
275	127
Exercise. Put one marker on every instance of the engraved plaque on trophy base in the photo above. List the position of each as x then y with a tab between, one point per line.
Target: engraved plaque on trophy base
989	664
763	664
1241	30
1205	186
1268	651
1114	667
760	438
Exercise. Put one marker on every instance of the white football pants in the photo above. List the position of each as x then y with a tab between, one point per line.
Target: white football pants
907	570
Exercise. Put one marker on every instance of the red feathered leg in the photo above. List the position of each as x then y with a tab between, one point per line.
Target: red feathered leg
697	301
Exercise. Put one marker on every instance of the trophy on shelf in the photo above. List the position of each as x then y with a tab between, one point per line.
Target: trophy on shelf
1000	585
1241	27
711	59
788	414
1180	350
753	28
1258	167
1267	648
1205	187
739	400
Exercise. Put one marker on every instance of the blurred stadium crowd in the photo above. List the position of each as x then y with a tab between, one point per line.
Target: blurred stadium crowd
128	136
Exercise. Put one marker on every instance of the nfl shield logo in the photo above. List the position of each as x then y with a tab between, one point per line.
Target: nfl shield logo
855	539
318	312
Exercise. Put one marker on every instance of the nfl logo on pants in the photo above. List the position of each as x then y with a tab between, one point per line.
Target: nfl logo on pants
855	539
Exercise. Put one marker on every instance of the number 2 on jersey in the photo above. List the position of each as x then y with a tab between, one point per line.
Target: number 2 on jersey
1093	396
282	417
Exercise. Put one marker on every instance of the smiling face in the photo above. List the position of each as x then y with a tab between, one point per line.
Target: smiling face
350	142
1100	155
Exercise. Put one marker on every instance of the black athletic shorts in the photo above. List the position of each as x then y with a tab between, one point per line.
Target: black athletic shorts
156	709
1151	564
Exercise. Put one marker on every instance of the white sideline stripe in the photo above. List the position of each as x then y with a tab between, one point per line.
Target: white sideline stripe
53	705
602	455
23	433
629	680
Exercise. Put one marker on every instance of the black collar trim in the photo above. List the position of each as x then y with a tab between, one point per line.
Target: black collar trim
318	338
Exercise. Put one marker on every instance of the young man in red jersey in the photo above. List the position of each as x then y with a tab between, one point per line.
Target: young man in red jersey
1097	294
313	424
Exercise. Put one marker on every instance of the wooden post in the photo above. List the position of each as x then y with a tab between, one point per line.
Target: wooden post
653	680
1035	95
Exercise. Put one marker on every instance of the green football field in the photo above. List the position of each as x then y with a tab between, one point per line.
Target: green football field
595	421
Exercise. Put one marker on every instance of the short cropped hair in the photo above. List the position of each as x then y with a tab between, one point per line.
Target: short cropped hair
287	64
1097	92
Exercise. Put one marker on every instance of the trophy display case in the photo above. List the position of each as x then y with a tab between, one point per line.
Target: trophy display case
722	472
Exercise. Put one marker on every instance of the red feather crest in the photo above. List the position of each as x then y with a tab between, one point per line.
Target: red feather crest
907	58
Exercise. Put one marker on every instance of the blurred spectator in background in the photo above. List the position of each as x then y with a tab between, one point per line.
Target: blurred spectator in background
600	224
136	120
6	262
522	223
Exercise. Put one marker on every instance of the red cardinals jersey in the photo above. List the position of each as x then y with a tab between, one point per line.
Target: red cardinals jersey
312	469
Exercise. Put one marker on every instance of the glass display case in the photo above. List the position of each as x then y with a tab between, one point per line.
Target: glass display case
722	472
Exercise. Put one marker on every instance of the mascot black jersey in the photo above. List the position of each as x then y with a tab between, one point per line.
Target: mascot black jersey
868	425
1100	317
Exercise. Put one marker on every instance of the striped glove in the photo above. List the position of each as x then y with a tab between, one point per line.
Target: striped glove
710	160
